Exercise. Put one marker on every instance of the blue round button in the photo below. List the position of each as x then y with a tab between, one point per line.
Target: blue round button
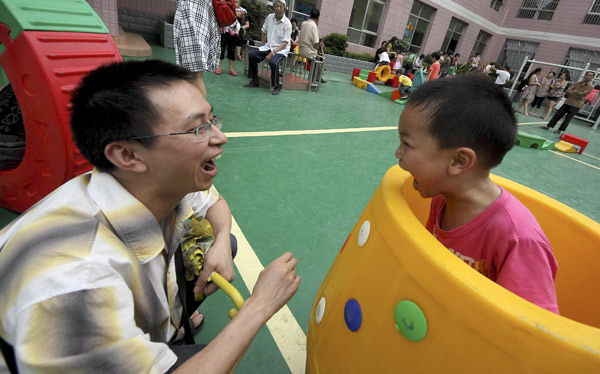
353	315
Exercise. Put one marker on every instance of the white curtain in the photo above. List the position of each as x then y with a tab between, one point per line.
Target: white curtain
578	58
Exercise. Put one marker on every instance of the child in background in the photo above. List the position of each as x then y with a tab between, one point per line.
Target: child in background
452	132
398	63
589	99
321	57
404	83
384	58
434	70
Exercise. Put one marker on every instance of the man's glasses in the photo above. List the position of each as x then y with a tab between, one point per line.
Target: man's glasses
201	132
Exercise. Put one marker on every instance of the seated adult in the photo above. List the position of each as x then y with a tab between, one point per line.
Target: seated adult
276	34
308	40
89	275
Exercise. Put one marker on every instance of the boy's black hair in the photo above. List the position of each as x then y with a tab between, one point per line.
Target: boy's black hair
436	55
113	103
468	110
315	13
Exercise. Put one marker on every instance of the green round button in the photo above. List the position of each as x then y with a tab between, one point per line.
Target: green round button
410	320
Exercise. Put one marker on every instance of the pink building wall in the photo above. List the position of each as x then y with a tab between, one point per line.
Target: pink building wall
107	10
161	7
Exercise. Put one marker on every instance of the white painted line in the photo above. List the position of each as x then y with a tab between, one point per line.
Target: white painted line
585	154
530	123
306	132
571	158
284	328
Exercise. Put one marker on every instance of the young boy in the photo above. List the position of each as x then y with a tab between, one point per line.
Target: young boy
434	70
404	83
452	132
384	58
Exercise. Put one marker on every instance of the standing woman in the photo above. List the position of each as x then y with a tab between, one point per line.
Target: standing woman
197	39
542	92
529	92
555	93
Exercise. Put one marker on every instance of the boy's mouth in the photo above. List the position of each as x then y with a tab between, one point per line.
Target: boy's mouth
415	184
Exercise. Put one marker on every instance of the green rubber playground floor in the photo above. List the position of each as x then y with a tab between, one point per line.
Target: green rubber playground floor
304	192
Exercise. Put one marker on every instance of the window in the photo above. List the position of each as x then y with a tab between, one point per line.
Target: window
496	5
514	53
480	43
418	23
538	9
364	21
453	34
593	15
578	57
300	9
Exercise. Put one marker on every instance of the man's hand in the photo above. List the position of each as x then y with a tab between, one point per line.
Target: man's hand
276	284
271	54
217	259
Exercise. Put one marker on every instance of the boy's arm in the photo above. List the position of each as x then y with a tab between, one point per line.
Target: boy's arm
528	268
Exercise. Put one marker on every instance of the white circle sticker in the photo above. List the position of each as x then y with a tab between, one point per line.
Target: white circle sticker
363	234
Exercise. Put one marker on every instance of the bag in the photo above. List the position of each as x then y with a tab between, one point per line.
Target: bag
225	12
524	88
559	103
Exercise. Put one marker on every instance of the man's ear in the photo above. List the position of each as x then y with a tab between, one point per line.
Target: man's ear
462	159
125	156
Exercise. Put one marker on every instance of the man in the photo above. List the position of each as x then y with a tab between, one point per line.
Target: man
434	70
503	76
379	51
88	279
309	42
276	36
575	97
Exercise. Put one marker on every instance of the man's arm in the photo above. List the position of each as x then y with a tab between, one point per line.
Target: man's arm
580	92
218	258
276	284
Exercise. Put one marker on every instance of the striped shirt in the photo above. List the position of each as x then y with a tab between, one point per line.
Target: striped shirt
84	280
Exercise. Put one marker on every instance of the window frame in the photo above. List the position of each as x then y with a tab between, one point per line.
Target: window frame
591	17
452	32
496	5
364	31
479	42
537	12
413	47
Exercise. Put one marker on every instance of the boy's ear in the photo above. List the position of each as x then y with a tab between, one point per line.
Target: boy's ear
463	159
125	156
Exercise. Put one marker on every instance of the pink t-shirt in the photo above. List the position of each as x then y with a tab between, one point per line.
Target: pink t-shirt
506	244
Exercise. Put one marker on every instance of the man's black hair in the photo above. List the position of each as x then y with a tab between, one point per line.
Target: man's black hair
436	55
315	14
468	110
113	103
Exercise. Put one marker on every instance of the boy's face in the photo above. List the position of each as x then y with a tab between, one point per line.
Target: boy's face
418	153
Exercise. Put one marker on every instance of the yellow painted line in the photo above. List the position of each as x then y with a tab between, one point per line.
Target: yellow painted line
284	328
574	159
250	134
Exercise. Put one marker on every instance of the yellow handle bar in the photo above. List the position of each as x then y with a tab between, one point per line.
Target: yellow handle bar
230	290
